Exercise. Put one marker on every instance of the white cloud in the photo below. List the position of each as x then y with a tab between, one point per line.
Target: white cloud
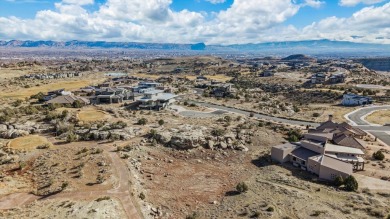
314	3
78	2
216	1
245	21
370	23
350	3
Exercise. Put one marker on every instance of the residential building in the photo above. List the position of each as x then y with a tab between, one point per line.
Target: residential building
318	78
337	78
156	100
68	100
328	151
221	90
112	95
355	100
267	74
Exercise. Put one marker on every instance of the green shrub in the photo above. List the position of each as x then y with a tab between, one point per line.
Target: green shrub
194	215
161	122
270	209
242	187
316	115
142	121
71	137
142	196
103	198
77	104
378	155
338	181
218	132
351	184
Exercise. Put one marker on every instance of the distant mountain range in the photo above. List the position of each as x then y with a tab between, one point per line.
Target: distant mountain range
294	47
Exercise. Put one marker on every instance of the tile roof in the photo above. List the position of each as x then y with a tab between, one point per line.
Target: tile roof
349	141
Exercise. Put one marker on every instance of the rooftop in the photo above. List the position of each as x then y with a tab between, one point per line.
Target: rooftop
342	149
336	164
303	153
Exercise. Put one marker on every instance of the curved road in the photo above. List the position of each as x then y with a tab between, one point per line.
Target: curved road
355	118
256	115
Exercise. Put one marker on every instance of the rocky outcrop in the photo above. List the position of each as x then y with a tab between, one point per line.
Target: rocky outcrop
105	133
188	137
10	131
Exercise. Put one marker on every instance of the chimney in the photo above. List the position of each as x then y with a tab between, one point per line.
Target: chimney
330	118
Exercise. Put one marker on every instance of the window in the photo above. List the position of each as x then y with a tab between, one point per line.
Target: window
303	162
294	159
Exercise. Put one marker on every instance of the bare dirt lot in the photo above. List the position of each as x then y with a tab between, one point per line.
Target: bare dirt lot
29	143
92	115
381	117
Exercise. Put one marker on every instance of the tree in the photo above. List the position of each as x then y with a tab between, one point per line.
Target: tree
294	135
378	155
161	122
338	181
242	187
351	184
77	104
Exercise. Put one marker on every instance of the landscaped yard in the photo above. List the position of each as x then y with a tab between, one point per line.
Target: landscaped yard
381	117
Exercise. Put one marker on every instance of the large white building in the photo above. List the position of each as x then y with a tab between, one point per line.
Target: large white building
156	100
355	100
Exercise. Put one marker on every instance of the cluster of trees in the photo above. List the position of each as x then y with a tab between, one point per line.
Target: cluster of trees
350	183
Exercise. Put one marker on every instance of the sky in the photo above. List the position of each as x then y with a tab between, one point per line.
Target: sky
193	21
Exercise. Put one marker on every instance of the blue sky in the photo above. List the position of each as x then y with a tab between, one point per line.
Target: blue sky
223	21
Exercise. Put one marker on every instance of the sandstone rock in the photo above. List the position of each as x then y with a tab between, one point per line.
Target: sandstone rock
223	145
3	128
210	144
164	137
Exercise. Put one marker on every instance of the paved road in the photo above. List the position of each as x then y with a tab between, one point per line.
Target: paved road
381	132
357	117
256	115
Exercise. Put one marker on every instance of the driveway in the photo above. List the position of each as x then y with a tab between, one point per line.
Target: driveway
372	183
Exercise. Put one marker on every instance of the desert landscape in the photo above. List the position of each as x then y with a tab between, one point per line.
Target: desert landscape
96	144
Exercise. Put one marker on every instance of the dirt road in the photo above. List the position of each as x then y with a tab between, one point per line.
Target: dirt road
121	191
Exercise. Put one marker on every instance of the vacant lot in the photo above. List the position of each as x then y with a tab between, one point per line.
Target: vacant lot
27	92
28	143
381	117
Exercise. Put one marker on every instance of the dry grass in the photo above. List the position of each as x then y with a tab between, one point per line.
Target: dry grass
381	117
92	115
27	92
28	143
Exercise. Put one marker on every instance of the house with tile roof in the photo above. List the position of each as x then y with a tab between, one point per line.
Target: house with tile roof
329	151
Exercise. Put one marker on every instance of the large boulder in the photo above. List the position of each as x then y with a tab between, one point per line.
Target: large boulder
188	138
164	137
19	133
3	128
